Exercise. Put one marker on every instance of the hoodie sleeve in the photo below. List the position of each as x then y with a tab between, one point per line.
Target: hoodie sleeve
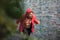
35	20
17	21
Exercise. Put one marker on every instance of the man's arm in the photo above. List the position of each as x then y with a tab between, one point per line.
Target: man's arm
36	21
17	21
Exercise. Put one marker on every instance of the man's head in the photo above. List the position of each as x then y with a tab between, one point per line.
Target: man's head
29	13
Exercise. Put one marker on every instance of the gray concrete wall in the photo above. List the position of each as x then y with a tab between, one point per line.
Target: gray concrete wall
48	12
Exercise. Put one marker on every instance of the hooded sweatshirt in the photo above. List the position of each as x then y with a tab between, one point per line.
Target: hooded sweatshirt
34	20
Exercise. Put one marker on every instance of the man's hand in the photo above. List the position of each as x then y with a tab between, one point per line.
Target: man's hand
38	22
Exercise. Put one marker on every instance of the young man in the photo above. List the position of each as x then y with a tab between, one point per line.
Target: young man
28	21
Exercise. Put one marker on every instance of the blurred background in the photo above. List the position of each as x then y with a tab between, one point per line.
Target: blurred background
47	11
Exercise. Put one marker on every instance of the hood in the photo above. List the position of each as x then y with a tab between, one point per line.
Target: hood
28	10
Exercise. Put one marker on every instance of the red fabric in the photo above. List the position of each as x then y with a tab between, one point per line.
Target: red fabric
34	20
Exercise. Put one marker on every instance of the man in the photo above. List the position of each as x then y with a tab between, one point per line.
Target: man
28	21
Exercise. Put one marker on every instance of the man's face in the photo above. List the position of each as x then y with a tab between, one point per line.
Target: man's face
30	15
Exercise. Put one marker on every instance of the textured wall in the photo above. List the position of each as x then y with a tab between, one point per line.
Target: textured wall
48	12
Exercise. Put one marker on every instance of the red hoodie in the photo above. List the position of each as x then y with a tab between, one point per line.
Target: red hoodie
34	20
